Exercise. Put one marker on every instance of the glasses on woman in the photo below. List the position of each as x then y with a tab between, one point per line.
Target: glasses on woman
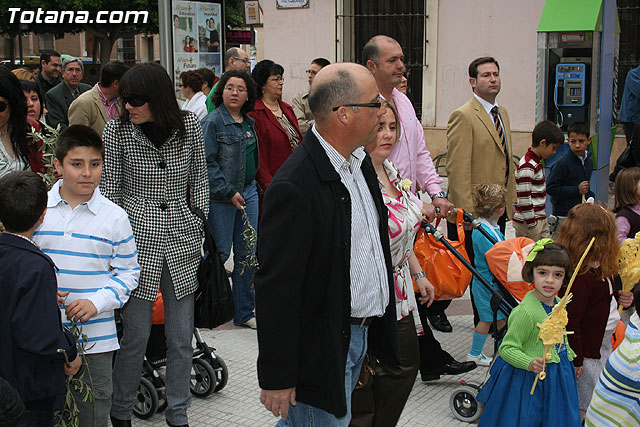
230	89
276	79
135	100
3	106
311	72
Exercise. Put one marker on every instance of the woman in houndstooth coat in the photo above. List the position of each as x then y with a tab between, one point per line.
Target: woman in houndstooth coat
155	168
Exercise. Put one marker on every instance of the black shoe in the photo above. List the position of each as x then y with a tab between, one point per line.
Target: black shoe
439	321
452	368
115	422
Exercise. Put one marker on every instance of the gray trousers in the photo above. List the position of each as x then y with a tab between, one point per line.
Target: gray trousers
136	322
98	375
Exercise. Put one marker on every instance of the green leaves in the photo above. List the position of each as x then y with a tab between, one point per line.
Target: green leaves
68	417
250	239
48	149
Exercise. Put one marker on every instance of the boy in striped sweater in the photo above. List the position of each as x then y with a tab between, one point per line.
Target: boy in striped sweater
91	242
529	218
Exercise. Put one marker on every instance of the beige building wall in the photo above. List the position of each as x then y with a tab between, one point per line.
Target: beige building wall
466	29
293	37
504	29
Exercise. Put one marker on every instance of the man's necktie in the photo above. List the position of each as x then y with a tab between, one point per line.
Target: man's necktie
503	138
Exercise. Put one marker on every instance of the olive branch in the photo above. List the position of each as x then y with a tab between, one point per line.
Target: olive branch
68	417
250	240
48	149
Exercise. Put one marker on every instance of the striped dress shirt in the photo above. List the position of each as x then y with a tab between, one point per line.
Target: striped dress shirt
368	271
95	252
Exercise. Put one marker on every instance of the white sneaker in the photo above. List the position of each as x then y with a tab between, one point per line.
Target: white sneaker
251	323
481	359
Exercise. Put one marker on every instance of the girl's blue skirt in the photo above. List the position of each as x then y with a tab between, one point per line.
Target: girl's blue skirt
508	403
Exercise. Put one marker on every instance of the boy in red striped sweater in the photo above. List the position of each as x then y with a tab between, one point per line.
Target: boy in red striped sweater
529	218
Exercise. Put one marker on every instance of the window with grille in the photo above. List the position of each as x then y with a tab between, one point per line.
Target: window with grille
405	21
45	42
127	50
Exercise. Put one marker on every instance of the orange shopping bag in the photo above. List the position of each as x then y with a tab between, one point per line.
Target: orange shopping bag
158	310
446	273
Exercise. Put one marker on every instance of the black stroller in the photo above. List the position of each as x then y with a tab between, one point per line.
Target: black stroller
463	403
209	373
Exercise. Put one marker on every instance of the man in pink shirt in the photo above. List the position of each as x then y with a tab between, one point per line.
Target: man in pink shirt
383	57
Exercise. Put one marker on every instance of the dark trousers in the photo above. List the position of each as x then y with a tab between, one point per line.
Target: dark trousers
628	131
37	419
381	403
432	356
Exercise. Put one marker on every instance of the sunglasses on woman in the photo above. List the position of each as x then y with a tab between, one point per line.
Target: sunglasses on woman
3	106
135	100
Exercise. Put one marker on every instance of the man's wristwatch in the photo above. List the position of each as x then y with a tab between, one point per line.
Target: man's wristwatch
438	195
419	275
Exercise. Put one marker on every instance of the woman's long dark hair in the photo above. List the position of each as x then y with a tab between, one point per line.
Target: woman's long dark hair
152	82
11	89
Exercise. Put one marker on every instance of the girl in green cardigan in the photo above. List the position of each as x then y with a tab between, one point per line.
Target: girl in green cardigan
506	394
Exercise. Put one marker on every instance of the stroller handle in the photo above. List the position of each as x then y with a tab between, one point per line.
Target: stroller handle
467	217
496	296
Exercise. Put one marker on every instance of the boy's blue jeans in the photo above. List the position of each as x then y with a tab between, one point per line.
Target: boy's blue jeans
227	225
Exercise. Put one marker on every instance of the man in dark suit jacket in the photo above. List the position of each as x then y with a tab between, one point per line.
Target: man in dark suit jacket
60	97
49	74
325	266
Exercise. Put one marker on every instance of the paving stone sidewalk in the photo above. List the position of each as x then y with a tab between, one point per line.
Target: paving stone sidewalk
238	403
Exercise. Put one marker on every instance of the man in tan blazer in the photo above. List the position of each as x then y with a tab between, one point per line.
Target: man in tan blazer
479	150
98	105
476	152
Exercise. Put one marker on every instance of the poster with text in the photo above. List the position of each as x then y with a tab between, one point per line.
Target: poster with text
209	27
185	30
211	61
183	62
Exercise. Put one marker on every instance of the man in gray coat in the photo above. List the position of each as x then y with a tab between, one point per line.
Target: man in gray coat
60	97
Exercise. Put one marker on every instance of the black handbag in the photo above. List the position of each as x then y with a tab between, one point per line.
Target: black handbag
624	161
213	299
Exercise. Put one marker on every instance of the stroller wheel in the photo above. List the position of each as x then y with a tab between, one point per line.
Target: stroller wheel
146	402
464	405
203	378
222	374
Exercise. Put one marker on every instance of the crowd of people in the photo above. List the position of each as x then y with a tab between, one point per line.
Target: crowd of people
334	185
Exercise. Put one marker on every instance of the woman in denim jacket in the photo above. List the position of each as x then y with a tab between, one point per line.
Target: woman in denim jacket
231	146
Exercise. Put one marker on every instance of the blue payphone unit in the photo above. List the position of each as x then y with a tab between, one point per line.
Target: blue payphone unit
570	93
